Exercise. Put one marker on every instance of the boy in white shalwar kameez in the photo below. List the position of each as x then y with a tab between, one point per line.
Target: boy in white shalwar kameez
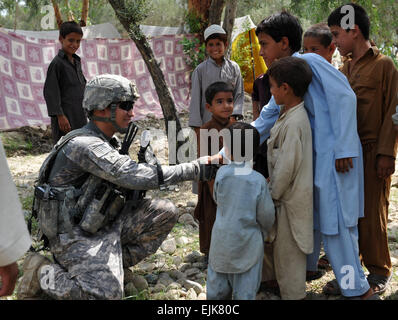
291	175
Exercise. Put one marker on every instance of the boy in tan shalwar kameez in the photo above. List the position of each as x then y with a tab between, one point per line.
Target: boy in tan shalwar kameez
291	176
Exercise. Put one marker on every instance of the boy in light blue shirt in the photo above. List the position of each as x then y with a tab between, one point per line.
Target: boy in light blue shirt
245	215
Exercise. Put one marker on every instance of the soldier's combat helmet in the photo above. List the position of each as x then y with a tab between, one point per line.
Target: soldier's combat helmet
107	90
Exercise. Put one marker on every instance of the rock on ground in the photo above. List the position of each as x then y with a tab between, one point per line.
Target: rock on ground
130	290
186	218
159	287
177	260
169	246
191	294
146	266
194	256
191	204
139	282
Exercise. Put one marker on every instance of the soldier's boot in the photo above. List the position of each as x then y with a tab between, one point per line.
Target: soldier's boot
29	287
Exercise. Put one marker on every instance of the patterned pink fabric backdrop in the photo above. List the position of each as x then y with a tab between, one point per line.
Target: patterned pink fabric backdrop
24	62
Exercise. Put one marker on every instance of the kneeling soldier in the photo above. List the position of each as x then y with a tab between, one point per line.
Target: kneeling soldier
93	229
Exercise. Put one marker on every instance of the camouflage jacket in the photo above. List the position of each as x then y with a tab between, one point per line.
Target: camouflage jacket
92	153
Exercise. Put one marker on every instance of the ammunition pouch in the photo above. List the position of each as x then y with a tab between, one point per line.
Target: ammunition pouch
54	208
99	204
106	204
92	207
58	209
94	216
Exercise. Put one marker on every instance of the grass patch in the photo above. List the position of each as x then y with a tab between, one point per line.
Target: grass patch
393	296
27	202
15	144
142	295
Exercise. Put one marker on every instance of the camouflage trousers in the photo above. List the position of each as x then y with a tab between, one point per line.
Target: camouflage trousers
91	266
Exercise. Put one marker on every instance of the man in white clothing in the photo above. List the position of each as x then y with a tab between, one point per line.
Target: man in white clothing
14	235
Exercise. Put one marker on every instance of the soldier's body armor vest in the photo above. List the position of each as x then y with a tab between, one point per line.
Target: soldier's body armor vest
57	209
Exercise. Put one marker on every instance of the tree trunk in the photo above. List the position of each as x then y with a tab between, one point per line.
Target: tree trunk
201	7
16	16
215	11
83	20
162	90
57	13
229	19
70	13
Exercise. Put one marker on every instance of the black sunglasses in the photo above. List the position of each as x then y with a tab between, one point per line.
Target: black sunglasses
126	105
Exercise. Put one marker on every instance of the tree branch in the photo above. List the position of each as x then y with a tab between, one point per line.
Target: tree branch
57	13
83	19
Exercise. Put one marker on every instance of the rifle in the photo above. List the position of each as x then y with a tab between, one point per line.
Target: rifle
134	196
145	154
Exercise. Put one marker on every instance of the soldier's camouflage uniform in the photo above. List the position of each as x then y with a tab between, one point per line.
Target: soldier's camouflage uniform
91	266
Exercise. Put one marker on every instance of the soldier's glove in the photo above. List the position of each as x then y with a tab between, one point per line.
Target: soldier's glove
206	171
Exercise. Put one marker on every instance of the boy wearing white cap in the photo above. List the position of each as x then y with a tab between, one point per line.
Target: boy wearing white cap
215	68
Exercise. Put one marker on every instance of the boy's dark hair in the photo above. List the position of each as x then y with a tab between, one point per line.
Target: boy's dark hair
216	87
245	134
69	27
320	31
361	19
221	36
281	25
294	71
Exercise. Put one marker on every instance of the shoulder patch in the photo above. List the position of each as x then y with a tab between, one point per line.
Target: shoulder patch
107	158
101	149
112	157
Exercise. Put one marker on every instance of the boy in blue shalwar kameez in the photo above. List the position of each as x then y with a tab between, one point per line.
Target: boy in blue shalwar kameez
245	215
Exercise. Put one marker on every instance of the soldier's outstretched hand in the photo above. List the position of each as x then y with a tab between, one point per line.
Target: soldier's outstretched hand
206	170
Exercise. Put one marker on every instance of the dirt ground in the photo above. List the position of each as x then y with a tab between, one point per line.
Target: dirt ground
25	162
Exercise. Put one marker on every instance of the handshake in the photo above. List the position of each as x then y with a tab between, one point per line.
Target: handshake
205	170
